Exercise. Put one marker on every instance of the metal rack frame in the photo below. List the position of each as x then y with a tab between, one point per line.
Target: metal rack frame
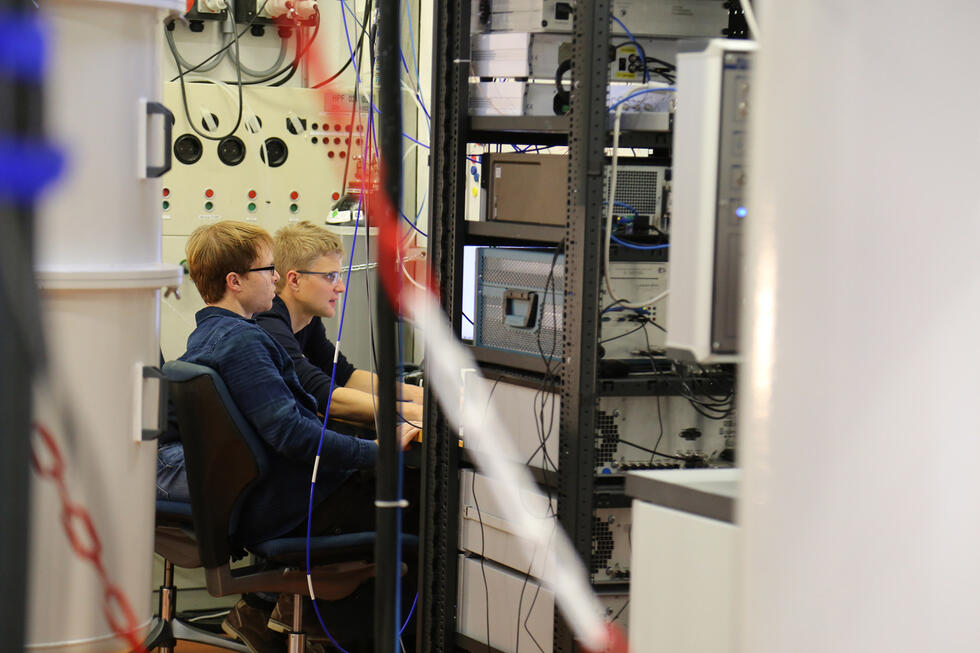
583	273
585	131
586	135
439	530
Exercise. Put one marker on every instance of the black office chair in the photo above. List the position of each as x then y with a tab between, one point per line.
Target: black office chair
174	541
224	458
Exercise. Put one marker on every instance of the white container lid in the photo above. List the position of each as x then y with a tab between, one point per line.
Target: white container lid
177	5
76	277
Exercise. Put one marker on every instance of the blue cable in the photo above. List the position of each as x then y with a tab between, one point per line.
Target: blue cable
634	245
326	416
411	42
626	206
415	90
371	128
630	245
665	89
333	371
428	147
412	224
417	142
643	54
409	617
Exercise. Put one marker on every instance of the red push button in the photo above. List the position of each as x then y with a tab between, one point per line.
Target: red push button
294	195
252	194
209	193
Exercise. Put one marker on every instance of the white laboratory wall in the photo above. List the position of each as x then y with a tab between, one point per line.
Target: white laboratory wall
317	156
859	515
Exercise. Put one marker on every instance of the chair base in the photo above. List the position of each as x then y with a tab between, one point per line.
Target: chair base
164	636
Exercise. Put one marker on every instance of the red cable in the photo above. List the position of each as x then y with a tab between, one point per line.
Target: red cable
118	611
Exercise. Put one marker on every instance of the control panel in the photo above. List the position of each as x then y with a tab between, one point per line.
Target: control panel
287	159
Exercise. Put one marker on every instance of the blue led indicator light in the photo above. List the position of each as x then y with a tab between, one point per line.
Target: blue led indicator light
741	211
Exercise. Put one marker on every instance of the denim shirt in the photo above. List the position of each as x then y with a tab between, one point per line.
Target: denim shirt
262	381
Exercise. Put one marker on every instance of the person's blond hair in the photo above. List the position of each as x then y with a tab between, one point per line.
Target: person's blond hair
298	246
214	250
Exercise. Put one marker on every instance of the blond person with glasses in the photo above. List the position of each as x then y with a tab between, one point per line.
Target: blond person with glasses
310	287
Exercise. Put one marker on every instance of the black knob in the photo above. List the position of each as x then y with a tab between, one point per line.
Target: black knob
188	149
276	151
231	151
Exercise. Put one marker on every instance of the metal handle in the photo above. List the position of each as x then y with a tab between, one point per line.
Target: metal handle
147	372
168	130
520	308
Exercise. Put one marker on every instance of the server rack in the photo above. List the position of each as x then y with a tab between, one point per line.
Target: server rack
585	132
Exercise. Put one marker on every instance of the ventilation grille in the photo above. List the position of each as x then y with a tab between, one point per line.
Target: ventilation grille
636	186
602	545
502	270
607	437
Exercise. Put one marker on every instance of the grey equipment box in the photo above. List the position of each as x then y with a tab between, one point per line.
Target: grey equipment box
519	299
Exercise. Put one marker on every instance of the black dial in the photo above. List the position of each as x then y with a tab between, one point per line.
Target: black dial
277	152
231	151
188	149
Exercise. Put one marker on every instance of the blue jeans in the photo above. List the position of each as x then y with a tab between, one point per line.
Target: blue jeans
171	473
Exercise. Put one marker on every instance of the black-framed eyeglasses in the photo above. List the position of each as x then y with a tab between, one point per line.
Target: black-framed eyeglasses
331	277
267	268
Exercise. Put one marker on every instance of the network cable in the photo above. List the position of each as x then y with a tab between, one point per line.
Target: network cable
612	194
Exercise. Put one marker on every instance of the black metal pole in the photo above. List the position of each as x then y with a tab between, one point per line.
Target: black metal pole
588	130
20	352
388	551
439	526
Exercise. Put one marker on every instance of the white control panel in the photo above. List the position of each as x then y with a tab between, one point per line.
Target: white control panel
286	160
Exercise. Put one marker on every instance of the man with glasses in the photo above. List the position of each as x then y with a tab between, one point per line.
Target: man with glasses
231	263
309	288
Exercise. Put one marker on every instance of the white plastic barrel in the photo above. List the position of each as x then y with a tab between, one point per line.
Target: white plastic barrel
98	266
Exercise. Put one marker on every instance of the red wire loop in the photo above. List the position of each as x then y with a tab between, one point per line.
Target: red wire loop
56	470
116	603
87	544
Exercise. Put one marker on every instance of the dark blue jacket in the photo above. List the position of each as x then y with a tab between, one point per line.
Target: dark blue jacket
262	381
311	351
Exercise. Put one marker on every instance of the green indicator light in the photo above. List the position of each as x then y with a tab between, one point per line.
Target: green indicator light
251	207
166	205
294	208
208	206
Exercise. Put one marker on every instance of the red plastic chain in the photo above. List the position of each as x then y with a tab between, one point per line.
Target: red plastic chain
84	540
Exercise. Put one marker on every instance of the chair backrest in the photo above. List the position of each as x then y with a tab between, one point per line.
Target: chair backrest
223	455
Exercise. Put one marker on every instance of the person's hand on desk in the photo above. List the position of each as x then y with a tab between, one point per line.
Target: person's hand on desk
406	435
410	412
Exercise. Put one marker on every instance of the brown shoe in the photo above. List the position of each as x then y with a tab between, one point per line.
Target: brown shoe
248	624
281	619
